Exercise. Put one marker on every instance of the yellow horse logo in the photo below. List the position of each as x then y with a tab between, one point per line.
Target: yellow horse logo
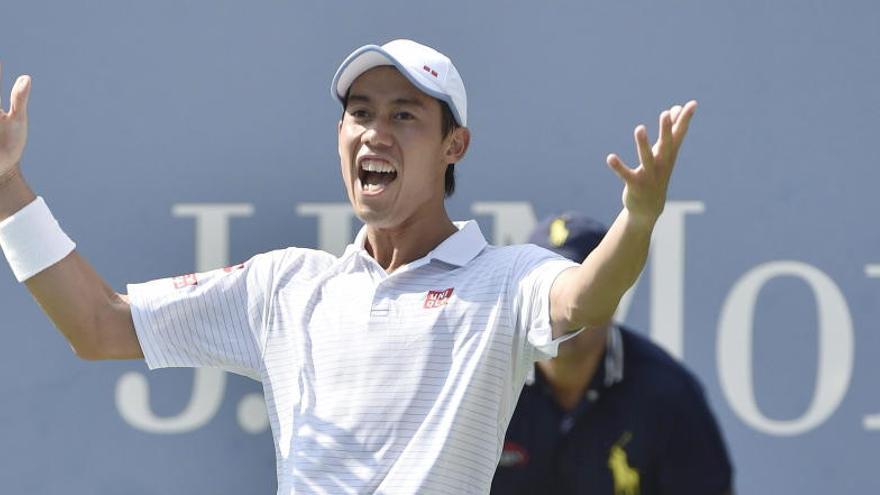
558	232
626	477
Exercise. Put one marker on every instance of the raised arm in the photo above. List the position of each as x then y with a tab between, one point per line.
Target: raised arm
587	296
95	319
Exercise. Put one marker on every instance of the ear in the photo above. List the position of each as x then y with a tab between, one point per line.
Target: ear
458	144
339	138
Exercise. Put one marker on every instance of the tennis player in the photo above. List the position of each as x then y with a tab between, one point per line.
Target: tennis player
395	367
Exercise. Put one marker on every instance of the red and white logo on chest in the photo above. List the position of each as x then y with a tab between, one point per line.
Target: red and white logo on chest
437	298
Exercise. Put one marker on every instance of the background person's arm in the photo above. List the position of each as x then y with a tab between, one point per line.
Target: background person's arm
587	296
92	316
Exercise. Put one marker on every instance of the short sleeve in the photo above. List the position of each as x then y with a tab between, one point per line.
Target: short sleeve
695	458
534	274
213	319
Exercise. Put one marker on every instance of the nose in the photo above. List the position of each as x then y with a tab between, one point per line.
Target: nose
377	136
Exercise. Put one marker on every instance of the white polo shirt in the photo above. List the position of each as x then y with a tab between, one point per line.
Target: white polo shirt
375	383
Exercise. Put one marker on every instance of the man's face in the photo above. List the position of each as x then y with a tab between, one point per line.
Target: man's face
391	149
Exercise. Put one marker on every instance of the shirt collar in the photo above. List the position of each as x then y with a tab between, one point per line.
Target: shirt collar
461	247
457	249
613	357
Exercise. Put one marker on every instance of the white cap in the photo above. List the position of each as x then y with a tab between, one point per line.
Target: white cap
429	70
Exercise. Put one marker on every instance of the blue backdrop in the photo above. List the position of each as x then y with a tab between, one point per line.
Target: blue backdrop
170	136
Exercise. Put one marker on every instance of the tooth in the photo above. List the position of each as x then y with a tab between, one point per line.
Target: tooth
376	166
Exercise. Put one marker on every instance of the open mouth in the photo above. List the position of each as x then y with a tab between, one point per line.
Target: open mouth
374	175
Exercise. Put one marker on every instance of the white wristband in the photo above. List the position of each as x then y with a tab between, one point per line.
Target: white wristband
32	240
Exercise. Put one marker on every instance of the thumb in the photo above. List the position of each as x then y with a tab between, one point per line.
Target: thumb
20	93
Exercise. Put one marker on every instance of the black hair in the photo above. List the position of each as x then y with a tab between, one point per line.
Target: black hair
448	124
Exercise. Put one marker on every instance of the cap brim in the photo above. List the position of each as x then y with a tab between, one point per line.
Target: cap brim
370	56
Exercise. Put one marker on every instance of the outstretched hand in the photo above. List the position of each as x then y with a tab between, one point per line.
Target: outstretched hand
13	127
644	192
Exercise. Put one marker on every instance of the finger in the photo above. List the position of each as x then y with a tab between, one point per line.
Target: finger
665	129
674	112
664	142
646	157
20	94
619	168
681	125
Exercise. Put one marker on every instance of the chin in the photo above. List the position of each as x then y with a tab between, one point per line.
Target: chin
373	218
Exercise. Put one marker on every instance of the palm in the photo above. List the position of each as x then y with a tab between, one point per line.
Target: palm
13	127
644	192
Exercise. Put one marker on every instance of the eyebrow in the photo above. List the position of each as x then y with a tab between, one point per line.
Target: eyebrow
359	98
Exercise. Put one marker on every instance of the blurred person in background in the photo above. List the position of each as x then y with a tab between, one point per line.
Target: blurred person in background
613	413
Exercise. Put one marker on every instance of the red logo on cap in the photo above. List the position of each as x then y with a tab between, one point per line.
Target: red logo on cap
437	298
430	70
185	281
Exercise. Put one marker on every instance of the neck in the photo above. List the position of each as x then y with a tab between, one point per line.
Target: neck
409	241
570	372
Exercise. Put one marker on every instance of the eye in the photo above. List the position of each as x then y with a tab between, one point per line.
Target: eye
358	113
404	116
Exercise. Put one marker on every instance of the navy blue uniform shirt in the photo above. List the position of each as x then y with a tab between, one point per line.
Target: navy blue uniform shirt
642	428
